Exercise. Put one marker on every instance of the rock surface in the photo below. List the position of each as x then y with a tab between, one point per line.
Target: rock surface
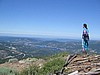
82	65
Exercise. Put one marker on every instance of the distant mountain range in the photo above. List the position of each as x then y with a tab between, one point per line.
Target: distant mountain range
37	36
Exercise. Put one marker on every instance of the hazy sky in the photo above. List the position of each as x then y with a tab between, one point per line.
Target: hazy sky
60	18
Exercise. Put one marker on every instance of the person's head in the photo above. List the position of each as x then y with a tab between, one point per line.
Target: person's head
85	26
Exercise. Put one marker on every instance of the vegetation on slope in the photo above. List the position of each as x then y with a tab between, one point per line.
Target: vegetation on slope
53	63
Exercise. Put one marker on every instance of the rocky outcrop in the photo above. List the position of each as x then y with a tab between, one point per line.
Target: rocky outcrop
77	64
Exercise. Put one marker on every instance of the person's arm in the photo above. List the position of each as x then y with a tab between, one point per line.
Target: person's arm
83	35
88	33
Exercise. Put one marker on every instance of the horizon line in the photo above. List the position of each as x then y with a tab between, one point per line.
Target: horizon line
36	35
41	36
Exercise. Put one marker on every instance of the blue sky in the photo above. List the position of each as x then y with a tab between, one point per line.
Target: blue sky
56	18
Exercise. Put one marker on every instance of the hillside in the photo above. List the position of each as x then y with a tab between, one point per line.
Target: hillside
32	65
59	64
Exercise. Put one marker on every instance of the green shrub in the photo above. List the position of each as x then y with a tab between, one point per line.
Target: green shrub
7	71
49	67
53	63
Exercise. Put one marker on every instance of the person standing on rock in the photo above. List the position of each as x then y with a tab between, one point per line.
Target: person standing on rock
85	39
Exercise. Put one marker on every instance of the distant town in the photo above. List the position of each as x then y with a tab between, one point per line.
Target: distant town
24	47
